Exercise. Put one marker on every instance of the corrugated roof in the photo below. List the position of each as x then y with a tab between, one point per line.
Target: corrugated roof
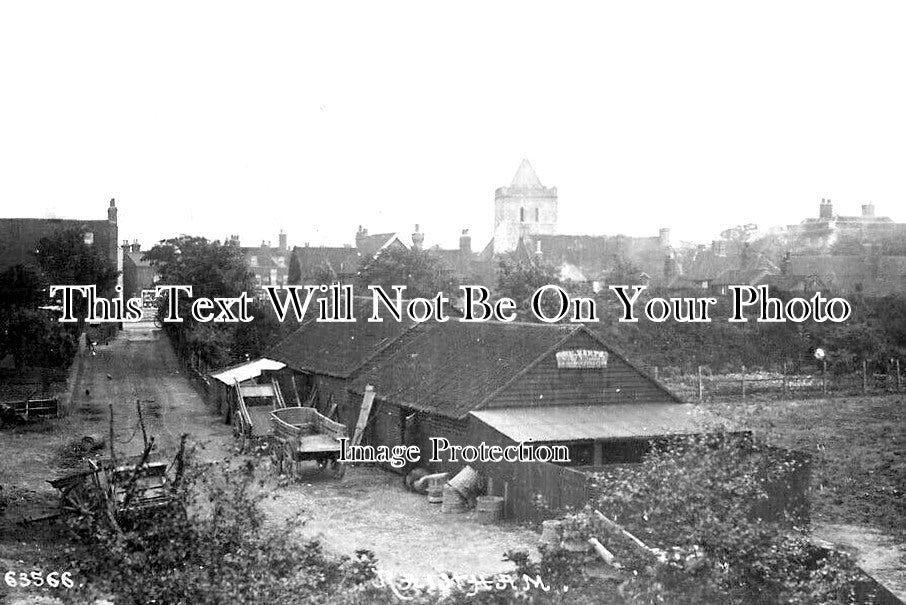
338	348
614	421
452	368
246	371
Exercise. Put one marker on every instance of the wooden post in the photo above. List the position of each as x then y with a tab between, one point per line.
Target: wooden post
864	376
655	372
824	377
700	386
743	382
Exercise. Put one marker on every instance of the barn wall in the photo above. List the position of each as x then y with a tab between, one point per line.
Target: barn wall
546	384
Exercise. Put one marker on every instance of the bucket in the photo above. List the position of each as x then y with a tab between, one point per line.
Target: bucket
467	482
435	495
453	502
489	509
551	532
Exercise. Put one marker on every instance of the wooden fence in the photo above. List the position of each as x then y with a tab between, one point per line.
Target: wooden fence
866	378
535	491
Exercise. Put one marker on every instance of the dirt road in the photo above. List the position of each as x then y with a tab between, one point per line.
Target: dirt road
366	509
138	365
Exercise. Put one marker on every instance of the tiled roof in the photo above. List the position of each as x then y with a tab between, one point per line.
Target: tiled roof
370	244
454	367
341	261
337	348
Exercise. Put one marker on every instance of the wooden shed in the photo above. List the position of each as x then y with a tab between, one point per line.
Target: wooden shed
475	382
322	358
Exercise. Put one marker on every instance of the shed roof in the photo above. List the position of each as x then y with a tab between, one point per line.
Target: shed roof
338	348
246	371
454	367
591	422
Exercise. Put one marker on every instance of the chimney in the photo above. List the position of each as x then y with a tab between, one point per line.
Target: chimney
826	209
126	247
359	236
282	239
664	235
868	210
465	242
111	211
670	268
418	238
136	247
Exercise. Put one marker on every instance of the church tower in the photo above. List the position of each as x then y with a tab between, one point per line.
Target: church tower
525	208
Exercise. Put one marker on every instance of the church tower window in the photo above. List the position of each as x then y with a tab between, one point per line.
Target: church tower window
522	215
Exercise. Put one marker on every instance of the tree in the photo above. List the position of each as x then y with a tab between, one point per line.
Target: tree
418	270
30	335
65	258
213	270
519	278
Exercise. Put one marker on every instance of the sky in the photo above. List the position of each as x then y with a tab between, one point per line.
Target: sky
219	118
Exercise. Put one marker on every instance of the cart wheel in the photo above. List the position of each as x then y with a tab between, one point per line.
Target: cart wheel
78	500
337	469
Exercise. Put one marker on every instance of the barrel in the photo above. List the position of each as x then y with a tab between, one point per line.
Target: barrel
489	509
453	502
467	482
435	495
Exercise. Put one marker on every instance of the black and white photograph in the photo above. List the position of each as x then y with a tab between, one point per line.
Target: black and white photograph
481	303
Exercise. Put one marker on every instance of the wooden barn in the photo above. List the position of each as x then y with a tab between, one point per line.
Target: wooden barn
322	357
505	383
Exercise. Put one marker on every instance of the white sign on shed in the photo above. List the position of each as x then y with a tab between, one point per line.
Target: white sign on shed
581	359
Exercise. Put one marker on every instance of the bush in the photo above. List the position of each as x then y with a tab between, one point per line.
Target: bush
212	546
696	498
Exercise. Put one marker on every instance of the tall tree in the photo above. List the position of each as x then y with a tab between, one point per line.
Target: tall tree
518	278
213	270
418	270
30	335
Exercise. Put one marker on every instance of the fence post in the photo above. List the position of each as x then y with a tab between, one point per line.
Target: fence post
743	382
824	376
864	376
655	373
700	386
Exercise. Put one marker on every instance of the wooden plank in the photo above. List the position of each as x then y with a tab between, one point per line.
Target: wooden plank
257	390
367	402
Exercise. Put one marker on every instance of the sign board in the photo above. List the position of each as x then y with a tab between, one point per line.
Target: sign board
581	360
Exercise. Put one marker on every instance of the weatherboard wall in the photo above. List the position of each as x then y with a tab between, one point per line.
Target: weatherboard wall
545	384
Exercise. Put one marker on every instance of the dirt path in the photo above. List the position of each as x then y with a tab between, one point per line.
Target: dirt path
136	366
878	554
370	509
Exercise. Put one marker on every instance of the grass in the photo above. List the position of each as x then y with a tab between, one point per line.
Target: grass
858	449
